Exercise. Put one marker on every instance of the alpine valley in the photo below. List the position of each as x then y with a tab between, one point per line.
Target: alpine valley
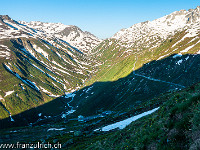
139	89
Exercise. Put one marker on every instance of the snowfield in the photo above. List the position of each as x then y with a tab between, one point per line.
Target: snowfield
124	123
9	93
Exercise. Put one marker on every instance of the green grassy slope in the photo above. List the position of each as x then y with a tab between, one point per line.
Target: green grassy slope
118	61
174	126
152	79
36	72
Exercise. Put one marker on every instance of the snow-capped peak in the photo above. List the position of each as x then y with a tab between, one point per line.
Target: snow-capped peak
84	41
161	28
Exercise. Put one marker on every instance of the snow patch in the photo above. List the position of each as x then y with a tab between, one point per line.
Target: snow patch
179	62
52	95
67	113
68	95
189	47
9	93
177	55
56	129
90	88
11	119
41	51
187	58
44	90
5	54
124	123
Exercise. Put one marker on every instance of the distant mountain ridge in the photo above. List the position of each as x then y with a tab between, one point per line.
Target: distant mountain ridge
84	41
145	33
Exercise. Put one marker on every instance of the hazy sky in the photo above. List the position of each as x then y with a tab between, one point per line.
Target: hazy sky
103	18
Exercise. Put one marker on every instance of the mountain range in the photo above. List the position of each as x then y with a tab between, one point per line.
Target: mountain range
64	84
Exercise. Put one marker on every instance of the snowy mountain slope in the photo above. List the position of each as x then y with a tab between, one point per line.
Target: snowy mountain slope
156	31
84	41
37	68
12	29
130	48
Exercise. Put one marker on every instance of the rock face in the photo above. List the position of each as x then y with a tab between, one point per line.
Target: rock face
6	17
84	41
146	33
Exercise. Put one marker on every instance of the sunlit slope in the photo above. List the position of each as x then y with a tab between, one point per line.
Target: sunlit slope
132	47
36	69
118	61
